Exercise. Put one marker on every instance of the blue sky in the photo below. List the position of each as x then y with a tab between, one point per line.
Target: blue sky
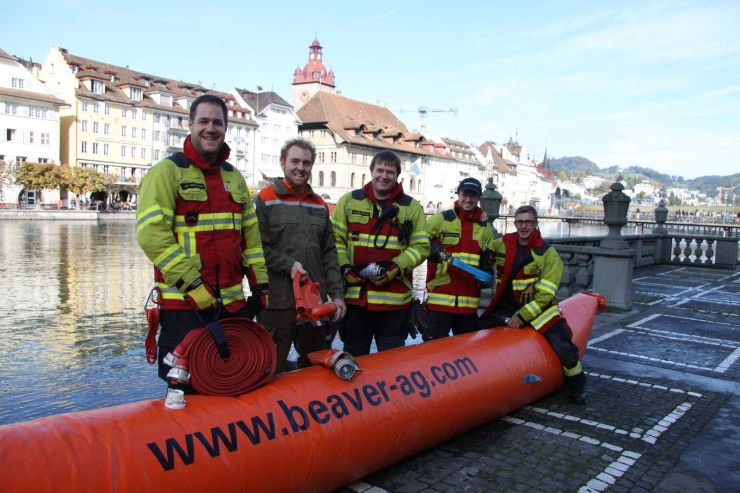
649	83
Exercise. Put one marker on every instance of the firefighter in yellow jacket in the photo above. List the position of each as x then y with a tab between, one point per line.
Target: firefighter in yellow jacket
381	237
196	223
529	270
462	233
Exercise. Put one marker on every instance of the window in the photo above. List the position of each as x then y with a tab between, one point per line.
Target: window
156	117
156	155
143	133
133	151
123	151
156	136
143	153
17	82
321	178
107	108
96	126
30	137
95	147
321	157
45	138
84	105
123	130
133	132
96	107
412	184
11	108
124	112
352	180
363	180
106	149
143	115
84	125
84	146
106	128
134	113
98	87
333	157
136	94
333	179
42	160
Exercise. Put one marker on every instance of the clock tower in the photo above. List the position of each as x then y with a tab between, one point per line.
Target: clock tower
312	78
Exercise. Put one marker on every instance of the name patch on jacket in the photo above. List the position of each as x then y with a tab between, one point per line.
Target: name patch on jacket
188	186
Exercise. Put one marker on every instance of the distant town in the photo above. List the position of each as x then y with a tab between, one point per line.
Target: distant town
76	131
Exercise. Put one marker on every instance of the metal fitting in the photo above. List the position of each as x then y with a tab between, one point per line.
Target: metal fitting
371	271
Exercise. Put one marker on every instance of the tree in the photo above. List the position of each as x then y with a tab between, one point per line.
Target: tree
80	180
6	173
36	176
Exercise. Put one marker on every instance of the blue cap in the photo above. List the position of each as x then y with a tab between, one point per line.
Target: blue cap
471	185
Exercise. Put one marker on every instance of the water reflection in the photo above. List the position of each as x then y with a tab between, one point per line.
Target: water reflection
72	324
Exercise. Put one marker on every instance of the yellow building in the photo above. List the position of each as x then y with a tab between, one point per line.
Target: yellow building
121	121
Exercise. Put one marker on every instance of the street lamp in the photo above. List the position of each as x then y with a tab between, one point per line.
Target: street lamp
490	202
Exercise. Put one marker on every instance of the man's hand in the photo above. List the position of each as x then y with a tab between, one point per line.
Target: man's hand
437	253
514	323
297	268
200	297
390	272
341	310
258	300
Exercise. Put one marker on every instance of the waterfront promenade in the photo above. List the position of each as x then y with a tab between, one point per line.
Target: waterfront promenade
663	408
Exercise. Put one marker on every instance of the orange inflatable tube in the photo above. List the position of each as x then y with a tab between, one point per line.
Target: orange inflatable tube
307	431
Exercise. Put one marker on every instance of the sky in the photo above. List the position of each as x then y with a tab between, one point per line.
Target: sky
648	83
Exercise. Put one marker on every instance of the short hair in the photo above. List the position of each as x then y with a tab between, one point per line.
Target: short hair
209	98
298	142
523	209
386	157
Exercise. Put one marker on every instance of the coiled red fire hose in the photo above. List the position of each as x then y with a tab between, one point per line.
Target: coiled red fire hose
251	361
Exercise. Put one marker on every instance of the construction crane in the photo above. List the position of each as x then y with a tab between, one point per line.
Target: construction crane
424	111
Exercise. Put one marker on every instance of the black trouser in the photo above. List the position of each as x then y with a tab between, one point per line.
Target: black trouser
175	325
281	325
439	323
561	341
360	325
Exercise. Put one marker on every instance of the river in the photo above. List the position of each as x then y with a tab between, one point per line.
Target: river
72	321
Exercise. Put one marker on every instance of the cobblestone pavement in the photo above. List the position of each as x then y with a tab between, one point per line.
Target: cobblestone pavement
662	414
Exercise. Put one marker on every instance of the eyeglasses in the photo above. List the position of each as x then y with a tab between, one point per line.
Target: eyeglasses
524	222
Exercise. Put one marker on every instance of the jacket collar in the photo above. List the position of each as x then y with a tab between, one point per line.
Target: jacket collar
192	155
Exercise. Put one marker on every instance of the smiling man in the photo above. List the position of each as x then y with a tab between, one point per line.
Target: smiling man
528	275
381	237
297	237
196	223
460	232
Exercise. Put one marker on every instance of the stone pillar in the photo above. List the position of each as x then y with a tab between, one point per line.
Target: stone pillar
614	262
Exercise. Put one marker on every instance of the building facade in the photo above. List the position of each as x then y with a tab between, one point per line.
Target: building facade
29	128
120	121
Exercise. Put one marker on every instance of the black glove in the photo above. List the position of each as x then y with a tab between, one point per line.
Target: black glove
404	231
436	253
488	260
258	300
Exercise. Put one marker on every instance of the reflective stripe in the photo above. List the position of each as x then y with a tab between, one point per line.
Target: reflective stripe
232	293
187	240
388	298
338	228
547	286
294	203
453	300
522	284
572	372
533	308
352	292
469	258
209	222
152	215
546	316
169	258
368	241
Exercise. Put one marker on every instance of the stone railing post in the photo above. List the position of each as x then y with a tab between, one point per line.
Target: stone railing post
614	261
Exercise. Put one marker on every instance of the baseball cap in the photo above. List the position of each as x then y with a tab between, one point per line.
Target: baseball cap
472	185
